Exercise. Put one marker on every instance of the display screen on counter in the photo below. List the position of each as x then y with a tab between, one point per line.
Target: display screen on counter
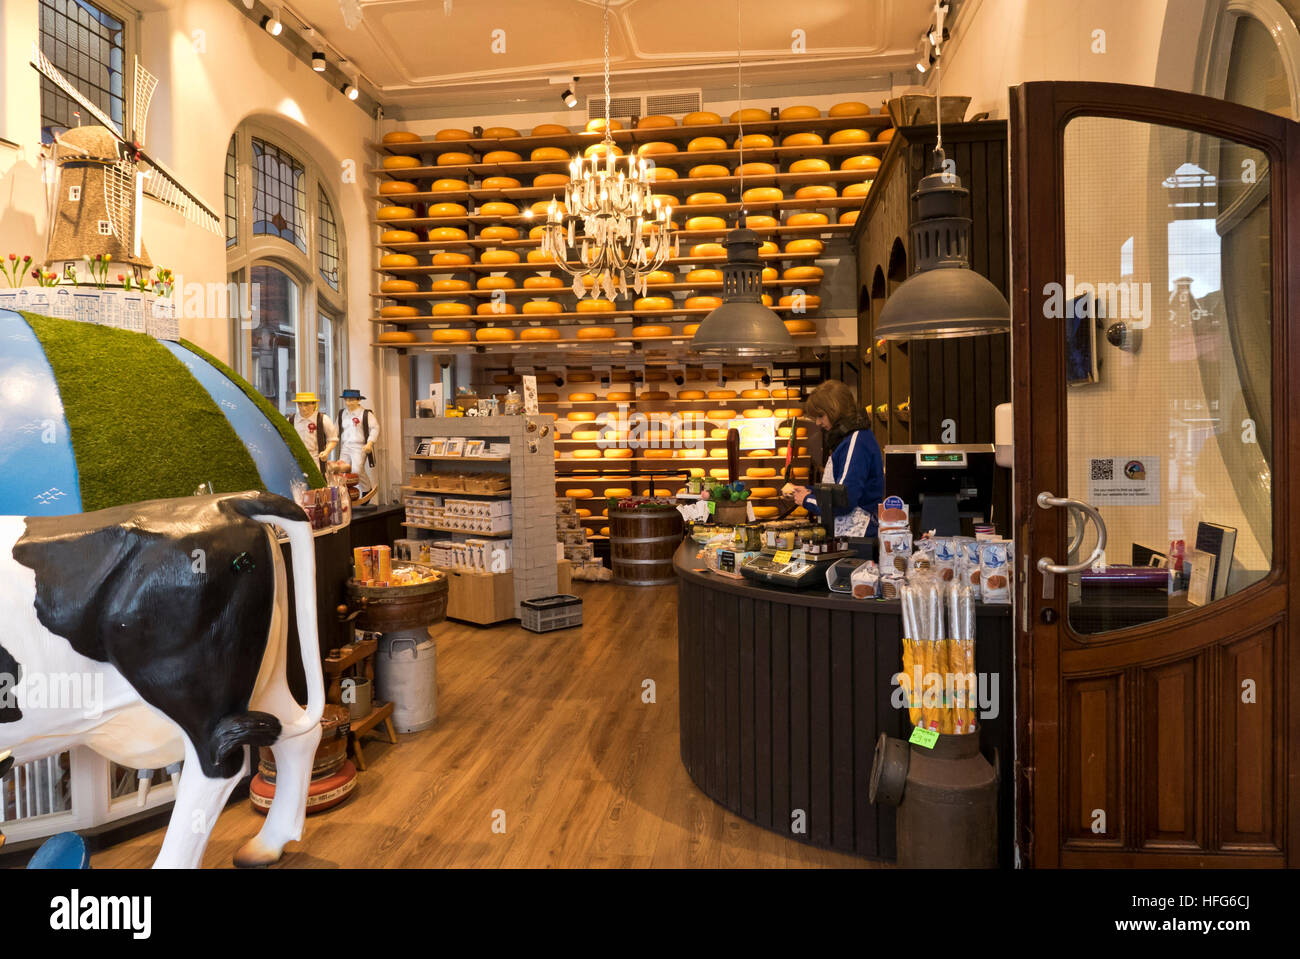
940	459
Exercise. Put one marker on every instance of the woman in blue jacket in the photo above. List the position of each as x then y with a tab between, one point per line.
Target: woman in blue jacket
855	460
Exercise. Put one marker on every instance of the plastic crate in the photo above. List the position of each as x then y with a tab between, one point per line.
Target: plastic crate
551	612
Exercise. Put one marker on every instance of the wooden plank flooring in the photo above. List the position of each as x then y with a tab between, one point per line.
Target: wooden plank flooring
549	729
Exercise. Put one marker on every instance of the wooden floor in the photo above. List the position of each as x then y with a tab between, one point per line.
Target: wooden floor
552	731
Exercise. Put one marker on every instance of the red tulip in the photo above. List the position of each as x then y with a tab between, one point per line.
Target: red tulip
120	278
13	256
26	260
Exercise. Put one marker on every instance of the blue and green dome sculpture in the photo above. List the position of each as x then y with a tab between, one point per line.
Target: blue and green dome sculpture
98	417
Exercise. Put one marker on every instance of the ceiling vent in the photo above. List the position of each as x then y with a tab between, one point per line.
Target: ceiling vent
618	107
677	102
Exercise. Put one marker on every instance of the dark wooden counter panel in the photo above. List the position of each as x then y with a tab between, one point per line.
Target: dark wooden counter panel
784	693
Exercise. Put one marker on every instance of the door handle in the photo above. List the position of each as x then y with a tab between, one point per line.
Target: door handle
1081	524
1045	565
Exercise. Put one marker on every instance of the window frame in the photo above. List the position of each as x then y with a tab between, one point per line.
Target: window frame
129	17
1273	17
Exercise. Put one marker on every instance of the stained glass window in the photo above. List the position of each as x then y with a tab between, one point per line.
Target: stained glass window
279	194
327	242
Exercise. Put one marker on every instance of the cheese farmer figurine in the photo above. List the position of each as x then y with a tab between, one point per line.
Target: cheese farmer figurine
359	430
311	425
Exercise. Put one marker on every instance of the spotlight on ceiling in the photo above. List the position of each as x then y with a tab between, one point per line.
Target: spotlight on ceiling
272	25
569	97
350	91
318	61
924	54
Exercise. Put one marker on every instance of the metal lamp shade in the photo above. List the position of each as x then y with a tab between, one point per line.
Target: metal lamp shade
742	325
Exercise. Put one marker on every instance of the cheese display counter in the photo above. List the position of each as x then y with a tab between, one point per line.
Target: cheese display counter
784	694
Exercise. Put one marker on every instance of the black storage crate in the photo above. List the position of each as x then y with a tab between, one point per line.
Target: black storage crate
551	612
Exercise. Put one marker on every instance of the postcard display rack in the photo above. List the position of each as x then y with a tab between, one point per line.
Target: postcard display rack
488	519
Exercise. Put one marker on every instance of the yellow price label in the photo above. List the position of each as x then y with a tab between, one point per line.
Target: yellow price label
782	557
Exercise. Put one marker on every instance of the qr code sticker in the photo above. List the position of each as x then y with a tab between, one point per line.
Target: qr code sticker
1101	470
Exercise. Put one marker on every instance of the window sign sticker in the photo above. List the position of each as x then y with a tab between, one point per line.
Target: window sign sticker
1124	480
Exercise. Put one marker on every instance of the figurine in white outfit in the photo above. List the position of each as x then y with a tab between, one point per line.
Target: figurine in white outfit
359	431
310	424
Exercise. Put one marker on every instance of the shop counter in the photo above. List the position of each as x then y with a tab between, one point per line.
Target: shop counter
783	694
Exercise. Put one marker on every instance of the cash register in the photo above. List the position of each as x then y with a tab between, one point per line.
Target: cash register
949	487
796	554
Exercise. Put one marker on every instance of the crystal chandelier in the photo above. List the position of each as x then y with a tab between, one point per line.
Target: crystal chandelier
625	229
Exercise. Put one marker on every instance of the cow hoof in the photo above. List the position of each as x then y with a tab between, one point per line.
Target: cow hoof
254	854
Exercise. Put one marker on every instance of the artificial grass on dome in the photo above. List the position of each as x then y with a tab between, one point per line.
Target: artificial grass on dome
141	426
290	435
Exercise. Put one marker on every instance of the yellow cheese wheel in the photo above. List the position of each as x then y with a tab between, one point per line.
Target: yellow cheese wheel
659	277
498	232
784	431
856	189
659	491
398	312
618	396
500	133
722	394
800	113
657	454
849	108
762	492
538	332
718	453
398	286
582	513
766	247
598	125
542	207
451	336
550	179
586	454
690	394
807	219
498	256
707	170
760	472
781	393
652	330
810	301
720	416
498	208
750	115
756	413
705	198
695	471
535	307
501	156
786	412
443	258
496	308
654	303
581	416
617	454
446	209
543	283
806	139
800	326
864	162
663	173
656	121
447	234
393	187
755	394
600	149
585	435
454	158
398	259
581	397
579	493
765	512
495	282
697	223
721	473
703	275
540	256
809	245
804	273
702	302
769	274
718	433
850	217
708	249
617	492
549	130
400	163
815	191
692	452
595	306
810	165
754	141
654	394
402	136
760	221
656	148
537	232
755	168
665	199
596	332
799	472
397	336
762	194
395	213
451	309
850	135
398	236
452	133
449	186
885	135
701	118
548	153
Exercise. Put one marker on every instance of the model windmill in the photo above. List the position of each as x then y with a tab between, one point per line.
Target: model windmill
102	178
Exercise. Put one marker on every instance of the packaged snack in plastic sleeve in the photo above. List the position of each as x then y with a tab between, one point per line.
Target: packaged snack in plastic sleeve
945	558
866	581
968	564
995	571
893	513
895	549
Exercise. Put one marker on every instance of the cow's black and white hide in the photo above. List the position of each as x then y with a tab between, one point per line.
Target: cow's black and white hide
175	613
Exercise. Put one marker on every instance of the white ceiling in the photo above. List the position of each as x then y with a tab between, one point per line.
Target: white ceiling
431	57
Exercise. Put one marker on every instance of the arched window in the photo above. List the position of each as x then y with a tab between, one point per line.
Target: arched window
288	289
1254	58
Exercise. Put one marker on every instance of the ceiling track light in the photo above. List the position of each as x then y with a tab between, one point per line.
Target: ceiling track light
569	98
272	25
318	61
350	90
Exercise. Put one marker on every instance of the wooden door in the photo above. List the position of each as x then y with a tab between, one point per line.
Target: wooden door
1153	729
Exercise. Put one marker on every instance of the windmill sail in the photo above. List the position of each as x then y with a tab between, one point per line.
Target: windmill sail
145	82
163	186
48	70
119	199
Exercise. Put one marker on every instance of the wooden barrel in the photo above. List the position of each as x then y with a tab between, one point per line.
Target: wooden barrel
385	609
641	545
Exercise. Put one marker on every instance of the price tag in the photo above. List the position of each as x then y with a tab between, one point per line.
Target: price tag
782	557
926	738
713	507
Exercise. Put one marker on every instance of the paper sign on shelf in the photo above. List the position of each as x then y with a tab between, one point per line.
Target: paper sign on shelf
530	394
1124	480
757	434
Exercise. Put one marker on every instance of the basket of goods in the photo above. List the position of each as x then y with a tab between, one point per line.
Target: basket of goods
729	502
466	399
385	596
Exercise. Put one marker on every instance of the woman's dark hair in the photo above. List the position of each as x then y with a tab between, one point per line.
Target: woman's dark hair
834	400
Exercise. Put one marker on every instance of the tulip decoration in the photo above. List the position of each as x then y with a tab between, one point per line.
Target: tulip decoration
14	269
45	277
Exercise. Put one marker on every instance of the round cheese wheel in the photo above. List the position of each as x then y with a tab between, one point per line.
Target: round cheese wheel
659	277
540	256
451	309
617	454
705	198
398	286
766	247
799	472
452	133
750	115
721	473
542	207
402	136
595	306
443	258
708	249
810	301
446	234
542	283
809	245
585	435
400	163
393	187
549	130
655	121
663	173
500	183
849	108
598	125
862	162
701	118
498	208
581	397
800	113
446	209
720	416
449	186
586	454
581	376
501	156
807	139
397	336
618	396
703	275
538	332
596	333
760	472
762	492
665	199
550	179
699	223
454	158
755	394
765	512
398	236
810	165
580	416
807	219
722	394
536	307
548	153
654	303
804	273
815	191
850	135
496	308
617	492
786	412
784	431
718	433
656	148
498	257
800	326
652	330
702	302
398	259
718	453
756	413
395	213
654	395
580	493
755	168
450	286
600	149
769	274
850	217
754	141
708	170
398	312
500	133
758	221
690	394
495	283
451	336
657	454
781	393
762	194
498	233
856	189
537	232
